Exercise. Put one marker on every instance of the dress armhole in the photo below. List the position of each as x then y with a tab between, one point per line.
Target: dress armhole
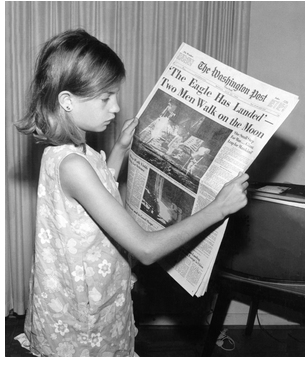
71	200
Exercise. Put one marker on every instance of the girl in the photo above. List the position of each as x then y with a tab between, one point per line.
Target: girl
80	297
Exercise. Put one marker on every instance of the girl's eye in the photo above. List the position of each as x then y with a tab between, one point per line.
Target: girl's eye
105	97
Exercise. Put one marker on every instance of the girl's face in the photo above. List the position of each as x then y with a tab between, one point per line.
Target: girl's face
96	114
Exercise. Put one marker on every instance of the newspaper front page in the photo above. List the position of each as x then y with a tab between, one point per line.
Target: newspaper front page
202	124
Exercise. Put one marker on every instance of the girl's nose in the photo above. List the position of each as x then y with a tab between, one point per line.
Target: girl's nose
115	106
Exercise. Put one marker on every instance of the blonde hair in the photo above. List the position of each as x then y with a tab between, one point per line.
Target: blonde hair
72	61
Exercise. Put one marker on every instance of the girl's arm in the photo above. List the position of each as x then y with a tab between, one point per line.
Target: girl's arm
122	145
81	183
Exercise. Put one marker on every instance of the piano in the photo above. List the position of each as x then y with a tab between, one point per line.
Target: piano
262	255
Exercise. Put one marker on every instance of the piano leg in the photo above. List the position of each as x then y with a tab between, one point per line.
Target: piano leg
251	317
215	327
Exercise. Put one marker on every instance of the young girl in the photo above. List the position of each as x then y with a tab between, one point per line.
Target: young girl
80	298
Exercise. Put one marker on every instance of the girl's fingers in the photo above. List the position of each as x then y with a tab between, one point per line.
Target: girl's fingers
130	123
242	177
245	187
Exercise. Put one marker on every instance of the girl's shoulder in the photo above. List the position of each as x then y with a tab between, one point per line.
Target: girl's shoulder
58	153
62	150
53	156
70	148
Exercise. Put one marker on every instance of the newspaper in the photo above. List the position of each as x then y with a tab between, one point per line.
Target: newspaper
202	124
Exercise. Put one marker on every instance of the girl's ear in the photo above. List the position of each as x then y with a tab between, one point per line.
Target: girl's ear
64	99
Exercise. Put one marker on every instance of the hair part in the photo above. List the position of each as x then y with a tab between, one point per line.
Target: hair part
72	61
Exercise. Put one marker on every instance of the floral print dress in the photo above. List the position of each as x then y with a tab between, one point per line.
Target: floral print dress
80	291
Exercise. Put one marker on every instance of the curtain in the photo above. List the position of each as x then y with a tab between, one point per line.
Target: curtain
145	35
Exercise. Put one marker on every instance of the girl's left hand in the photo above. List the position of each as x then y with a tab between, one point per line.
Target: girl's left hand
126	136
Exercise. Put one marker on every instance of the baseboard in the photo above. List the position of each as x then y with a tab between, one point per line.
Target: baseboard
232	319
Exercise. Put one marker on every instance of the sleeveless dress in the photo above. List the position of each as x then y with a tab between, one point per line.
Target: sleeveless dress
80	289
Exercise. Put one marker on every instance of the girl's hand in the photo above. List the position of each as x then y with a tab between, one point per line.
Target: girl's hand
232	196
125	139
122	145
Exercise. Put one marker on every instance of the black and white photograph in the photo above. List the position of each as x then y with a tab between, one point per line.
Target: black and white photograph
165	202
141	131
178	140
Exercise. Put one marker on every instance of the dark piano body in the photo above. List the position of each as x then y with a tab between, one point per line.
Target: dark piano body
266	240
262	256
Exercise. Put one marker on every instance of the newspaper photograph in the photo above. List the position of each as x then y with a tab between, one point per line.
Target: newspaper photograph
202	124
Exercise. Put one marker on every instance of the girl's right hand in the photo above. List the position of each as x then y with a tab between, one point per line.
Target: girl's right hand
126	136
232	197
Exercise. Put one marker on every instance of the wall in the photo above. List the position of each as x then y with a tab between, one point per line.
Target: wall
277	56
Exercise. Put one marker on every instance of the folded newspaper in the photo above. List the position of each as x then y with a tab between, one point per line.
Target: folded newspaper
202	124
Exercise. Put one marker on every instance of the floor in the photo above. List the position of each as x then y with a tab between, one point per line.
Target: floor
183	341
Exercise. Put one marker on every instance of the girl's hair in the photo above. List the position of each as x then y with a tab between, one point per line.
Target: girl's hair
72	61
